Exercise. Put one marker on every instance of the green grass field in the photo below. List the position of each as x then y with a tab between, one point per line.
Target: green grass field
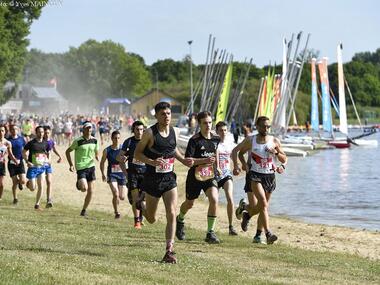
57	246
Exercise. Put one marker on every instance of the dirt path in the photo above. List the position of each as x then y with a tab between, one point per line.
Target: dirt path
293	233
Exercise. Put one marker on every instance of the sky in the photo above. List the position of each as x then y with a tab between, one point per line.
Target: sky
160	29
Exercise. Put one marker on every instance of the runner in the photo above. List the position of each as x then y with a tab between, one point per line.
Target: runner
157	149
16	170
68	130
264	149
38	157
27	127
225	180
86	148
115	176
5	148
202	149
48	168
136	169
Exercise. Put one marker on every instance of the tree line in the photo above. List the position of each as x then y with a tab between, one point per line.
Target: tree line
98	70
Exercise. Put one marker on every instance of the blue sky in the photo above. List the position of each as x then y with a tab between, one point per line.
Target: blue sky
159	29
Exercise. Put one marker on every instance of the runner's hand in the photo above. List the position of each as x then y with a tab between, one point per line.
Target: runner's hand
71	168
124	158
210	160
189	162
104	178
59	160
30	164
236	171
280	169
159	161
219	171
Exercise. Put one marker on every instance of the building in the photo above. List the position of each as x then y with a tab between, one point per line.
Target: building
38	100
145	104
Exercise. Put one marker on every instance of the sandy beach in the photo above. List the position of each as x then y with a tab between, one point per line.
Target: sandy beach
293	233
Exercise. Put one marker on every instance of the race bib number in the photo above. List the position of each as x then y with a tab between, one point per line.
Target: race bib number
138	162
12	162
204	172
40	159
166	166
115	168
224	164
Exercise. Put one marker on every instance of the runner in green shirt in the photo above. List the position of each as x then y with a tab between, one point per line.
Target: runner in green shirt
86	149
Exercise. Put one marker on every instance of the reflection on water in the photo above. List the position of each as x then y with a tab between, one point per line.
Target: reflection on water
336	187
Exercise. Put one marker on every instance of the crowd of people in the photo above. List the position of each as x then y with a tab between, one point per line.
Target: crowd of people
142	167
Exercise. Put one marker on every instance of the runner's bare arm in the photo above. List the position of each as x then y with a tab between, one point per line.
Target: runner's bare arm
242	147
146	141
68	157
122	159
57	154
25	157
281	156
10	154
187	161
217	165
102	162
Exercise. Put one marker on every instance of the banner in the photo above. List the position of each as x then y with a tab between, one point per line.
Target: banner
326	106
224	96
314	98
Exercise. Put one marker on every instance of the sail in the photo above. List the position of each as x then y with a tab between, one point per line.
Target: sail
224	96
342	97
326	106
314	98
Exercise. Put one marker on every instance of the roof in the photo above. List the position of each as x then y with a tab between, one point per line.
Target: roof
46	93
116	101
167	98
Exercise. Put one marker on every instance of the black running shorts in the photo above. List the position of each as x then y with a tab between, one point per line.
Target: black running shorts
87	173
268	181
156	184
194	187
224	180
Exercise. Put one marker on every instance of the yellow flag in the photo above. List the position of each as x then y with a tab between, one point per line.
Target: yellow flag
223	100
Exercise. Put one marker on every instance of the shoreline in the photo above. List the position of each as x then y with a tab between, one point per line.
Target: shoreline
291	232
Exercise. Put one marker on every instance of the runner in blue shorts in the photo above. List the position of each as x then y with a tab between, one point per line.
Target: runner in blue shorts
48	168
115	176
38	157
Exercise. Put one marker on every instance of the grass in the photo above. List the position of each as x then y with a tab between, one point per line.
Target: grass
57	246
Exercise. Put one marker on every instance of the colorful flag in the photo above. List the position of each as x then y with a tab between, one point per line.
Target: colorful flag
224	96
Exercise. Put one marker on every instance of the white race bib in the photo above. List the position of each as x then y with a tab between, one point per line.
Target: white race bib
138	162
115	168
166	166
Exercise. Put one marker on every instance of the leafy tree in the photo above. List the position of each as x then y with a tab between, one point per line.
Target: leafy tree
15	21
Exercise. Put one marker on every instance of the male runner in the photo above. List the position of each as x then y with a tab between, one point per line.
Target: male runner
158	150
48	168
225	180
264	149
37	159
202	149
5	149
115	177
136	169
16	170
86	149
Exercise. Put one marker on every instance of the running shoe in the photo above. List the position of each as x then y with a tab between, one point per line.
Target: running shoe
169	257
37	207
245	221
271	238
15	201
83	213
180	232
257	239
232	231
137	225
240	209
20	187
49	204
117	215
211	238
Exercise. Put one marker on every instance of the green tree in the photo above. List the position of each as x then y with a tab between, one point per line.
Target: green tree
15	21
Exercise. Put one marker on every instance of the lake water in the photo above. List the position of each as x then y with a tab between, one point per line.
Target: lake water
334	187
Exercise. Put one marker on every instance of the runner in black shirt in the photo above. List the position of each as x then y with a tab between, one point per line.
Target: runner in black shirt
202	148
135	171
157	149
38	158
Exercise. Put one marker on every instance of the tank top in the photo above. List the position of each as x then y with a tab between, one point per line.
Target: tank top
162	147
3	152
225	150
261	160
113	168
